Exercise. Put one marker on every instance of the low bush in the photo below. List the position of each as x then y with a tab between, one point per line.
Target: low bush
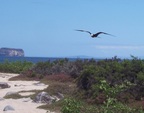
15	67
59	77
71	105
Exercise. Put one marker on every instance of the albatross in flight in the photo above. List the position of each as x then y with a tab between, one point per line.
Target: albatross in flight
94	35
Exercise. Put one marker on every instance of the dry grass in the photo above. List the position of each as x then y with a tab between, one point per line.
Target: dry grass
58	83
13	96
59	77
137	104
20	77
55	107
18	96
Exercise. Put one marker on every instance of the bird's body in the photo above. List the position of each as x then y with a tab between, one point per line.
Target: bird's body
94	35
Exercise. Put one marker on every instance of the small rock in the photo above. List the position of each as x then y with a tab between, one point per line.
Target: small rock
26	99
44	97
4	85
18	85
1	98
60	95
8	108
56	98
10	93
39	84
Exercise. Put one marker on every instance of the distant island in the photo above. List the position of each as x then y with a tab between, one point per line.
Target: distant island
11	52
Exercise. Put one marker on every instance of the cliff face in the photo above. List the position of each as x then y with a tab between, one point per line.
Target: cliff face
11	52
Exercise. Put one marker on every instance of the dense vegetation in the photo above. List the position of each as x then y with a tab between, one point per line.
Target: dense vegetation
109	85
15	67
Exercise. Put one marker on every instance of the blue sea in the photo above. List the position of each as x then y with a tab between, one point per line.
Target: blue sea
33	59
44	59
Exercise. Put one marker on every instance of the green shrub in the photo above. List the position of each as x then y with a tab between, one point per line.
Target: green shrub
71	106
15	67
140	77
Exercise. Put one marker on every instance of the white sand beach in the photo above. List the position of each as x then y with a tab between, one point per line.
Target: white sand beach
22	105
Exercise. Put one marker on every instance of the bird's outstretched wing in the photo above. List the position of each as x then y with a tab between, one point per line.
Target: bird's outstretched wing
84	31
104	33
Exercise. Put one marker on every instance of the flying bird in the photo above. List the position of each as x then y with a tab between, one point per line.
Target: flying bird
94	35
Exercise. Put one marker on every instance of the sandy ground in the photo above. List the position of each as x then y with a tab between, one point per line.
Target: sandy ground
23	105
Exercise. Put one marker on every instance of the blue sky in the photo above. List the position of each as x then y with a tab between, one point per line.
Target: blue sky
46	28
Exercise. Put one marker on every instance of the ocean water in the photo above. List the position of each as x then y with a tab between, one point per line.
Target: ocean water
32	59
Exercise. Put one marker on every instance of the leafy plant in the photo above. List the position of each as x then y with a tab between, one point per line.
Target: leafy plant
71	106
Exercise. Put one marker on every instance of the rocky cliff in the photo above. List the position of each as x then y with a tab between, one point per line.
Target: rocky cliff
11	52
